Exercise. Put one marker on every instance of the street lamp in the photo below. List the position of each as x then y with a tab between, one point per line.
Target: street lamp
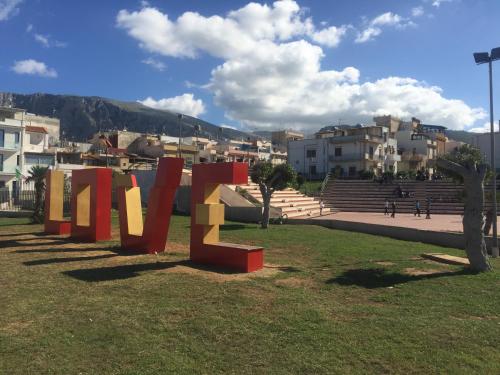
483	58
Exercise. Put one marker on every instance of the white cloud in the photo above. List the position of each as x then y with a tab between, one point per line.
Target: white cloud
224	37
33	67
156	64
271	74
437	3
417	11
29	28
47	42
486	128
9	8
185	104
42	39
330	36
374	27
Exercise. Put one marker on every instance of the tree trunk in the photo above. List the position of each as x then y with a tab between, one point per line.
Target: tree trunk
473	222
38	203
266	200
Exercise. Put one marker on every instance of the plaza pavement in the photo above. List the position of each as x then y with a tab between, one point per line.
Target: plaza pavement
437	223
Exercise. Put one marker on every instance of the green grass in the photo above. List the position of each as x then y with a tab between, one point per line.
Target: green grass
70	308
7	221
311	187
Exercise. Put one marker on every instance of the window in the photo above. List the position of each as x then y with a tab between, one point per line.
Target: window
1	162
16	138
338	151
312	170
2	137
18	159
39	159
311	153
352	171
370	151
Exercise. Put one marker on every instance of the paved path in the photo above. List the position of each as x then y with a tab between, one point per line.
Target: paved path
438	223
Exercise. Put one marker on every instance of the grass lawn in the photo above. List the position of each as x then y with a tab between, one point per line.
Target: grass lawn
311	188
328	302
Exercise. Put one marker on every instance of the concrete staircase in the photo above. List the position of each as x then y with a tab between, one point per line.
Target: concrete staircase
289	202
370	196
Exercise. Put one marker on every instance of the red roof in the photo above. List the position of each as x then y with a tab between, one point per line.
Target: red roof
36	129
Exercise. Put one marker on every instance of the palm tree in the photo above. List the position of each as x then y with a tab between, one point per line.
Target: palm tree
37	175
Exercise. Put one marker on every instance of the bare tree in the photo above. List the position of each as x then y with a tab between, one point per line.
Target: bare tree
473	175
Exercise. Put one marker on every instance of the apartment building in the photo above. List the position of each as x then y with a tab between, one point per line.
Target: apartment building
345	152
22	146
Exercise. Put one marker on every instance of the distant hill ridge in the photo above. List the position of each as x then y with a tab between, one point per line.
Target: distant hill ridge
83	116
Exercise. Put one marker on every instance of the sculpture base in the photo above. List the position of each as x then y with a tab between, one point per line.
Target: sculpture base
236	257
57	227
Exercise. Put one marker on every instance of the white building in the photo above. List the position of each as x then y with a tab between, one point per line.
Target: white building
483	143
345	151
22	146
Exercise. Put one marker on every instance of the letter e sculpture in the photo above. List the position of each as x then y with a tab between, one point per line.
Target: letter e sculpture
207	214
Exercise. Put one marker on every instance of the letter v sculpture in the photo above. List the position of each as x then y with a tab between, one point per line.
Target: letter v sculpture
152	236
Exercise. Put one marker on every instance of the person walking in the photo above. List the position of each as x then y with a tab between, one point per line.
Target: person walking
321	206
393	209
428	209
417	208
386	207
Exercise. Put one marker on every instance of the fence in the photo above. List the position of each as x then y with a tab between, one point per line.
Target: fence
20	200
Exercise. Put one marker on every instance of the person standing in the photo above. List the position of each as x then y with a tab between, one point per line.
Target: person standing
386	208
321	206
428	209
417	208
393	209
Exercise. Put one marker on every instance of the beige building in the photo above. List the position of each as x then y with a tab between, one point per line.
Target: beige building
282	137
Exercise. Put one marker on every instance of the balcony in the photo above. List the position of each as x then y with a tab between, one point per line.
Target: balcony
9	147
355	138
8	170
353	157
391	158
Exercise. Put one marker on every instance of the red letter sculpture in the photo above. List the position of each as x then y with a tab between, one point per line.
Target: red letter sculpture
161	197
91	204
54	199
207	214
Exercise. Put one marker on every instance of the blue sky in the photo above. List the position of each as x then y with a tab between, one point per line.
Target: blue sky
301	64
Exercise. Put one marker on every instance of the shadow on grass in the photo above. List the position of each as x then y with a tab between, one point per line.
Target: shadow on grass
19	243
372	278
120	272
39	262
133	270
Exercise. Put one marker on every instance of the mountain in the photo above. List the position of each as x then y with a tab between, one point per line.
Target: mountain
83	116
460	135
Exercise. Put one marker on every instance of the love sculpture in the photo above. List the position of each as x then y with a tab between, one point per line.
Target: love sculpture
91	211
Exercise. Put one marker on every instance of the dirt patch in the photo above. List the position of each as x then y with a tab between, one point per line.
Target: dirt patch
269	270
423	272
295	282
385	263
15	327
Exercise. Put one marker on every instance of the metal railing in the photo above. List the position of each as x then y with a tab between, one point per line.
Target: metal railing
324	183
20	200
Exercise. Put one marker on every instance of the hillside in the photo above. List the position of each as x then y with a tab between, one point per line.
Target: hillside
461	135
82	116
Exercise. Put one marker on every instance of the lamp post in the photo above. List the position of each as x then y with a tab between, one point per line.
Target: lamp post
483	58
179	117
